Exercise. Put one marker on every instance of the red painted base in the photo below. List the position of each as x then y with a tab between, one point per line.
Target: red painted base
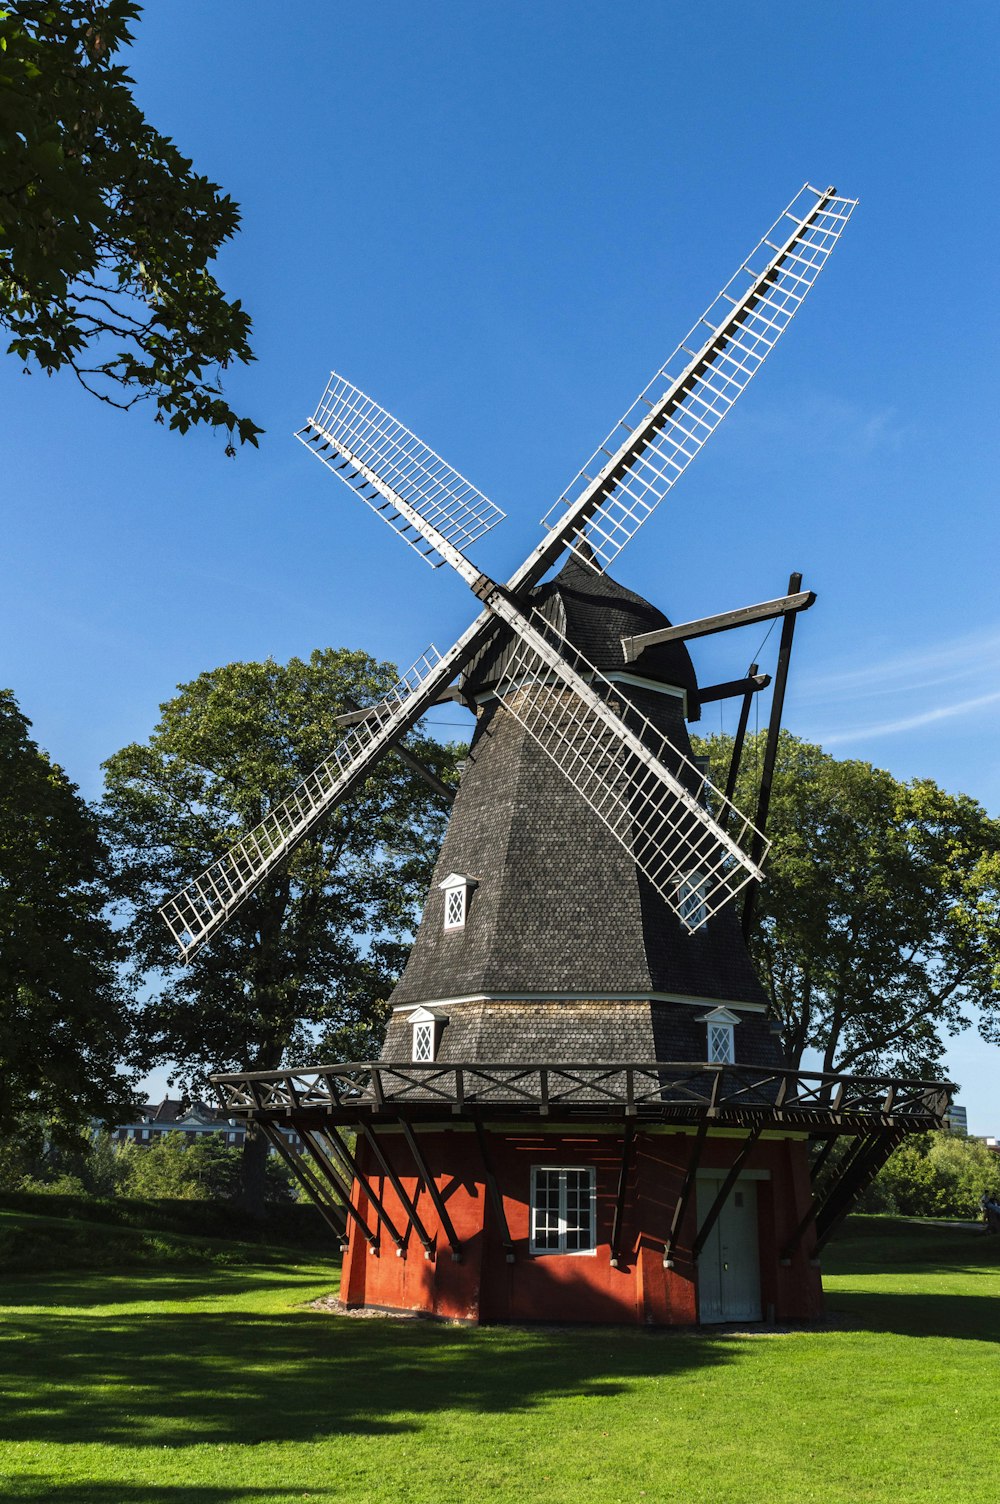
484	1284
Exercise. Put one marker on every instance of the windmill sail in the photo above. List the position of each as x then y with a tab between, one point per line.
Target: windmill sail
194	914
671	419
654	800
395	473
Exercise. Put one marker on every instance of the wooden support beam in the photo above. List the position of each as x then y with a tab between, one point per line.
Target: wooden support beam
859	1150
616	1227
736	756
820	1160
830	1219
330	1175
495	1196
771	752
684	1195
714	1211
433	782
409	1206
431	1187
331	1211
751	685
350	1163
706	626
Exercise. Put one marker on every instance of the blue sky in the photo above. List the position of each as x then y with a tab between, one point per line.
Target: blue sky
499	220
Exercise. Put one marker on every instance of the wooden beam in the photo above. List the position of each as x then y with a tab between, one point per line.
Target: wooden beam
495	1196
715	1209
751	685
770	753
737	753
352	718
350	1163
409	1206
616	1227
432	1190
331	1211
726	621
684	1195
344	1192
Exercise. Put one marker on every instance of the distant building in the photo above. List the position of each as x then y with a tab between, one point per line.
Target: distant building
191	1118
957	1121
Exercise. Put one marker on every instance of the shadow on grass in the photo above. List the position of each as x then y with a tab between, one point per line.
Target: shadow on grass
42	1490
974	1317
166	1378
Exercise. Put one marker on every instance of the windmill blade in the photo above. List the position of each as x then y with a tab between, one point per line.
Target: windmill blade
671	419
654	800
396	474
194	914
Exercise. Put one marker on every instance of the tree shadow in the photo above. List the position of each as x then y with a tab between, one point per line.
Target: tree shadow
40	1489
916	1314
161	1378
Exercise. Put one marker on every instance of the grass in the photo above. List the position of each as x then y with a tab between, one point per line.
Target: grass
214	1384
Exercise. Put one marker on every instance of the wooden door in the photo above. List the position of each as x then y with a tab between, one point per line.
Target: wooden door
729	1266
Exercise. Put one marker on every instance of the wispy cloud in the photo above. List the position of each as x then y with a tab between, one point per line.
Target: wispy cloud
910	722
964	672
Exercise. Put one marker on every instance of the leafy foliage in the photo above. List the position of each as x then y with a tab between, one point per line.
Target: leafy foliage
935	1175
106	231
878	928
64	1014
205	1170
317	947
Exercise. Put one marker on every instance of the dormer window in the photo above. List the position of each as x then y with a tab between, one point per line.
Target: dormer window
426	1024
721	1042
457	889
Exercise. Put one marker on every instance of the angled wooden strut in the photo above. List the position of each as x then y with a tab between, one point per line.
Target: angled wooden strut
495	1197
771	747
409	1206
715	1210
616	1228
343	1191
331	1211
706	626
684	1194
349	1162
430	1185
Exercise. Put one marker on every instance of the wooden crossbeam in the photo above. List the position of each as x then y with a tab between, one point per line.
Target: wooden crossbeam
751	685
409	1206
684	1195
616	1228
350	1163
725	621
495	1196
343	1191
715	1209
331	1211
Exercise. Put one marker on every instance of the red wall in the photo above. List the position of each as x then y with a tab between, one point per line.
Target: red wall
484	1286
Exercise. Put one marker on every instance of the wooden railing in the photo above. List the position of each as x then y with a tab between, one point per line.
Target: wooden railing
652	1090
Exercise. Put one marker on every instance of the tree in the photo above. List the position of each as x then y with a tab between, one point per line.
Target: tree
935	1175
317	947
106	231
65	1017
878	927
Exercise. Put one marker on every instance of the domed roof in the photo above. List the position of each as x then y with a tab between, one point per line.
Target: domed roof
594	613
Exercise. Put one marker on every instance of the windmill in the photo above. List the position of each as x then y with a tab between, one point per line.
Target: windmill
579	1058
684	834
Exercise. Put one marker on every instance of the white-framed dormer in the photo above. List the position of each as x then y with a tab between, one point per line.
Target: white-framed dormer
457	888
425	1026
720	1025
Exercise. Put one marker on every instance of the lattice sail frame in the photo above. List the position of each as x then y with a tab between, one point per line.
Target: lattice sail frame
683	404
655	801
371	450
201	908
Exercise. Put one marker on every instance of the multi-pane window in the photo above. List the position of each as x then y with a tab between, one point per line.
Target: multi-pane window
423	1042
721	1047
563	1210
454	908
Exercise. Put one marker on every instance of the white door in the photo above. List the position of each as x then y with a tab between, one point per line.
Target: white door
729	1266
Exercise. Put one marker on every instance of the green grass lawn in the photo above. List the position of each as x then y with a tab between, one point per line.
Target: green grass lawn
211	1383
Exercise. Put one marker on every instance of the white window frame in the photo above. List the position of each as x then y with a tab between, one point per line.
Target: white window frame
721	1043
455	907
424	1030
563	1231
